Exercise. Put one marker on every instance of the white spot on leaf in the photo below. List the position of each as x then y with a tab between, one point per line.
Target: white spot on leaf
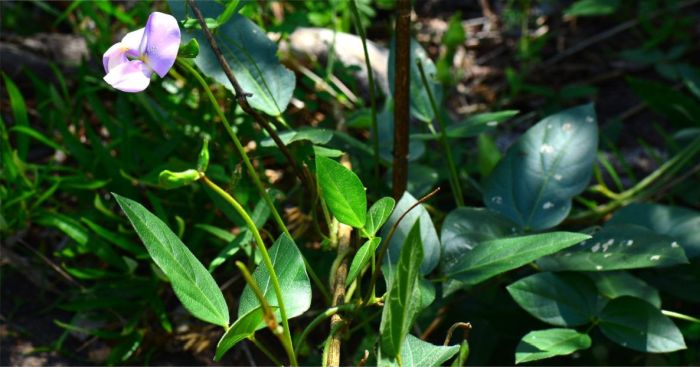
655	257
595	247
675	244
497	200
598	267
567	127
548	205
558	177
589	119
546	149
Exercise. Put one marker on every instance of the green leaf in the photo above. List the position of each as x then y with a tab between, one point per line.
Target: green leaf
418	353
244	327
400	306
587	8
472	126
343	192
19	114
428	234
614	284
550	164
378	214
638	325
465	228
682	224
31	132
498	256
542	344
618	247
192	283
488	154
557	299
680	109
362	258
249	53
231	249
315	136
296	288
420	102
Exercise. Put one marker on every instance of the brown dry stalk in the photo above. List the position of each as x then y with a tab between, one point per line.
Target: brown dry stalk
401	97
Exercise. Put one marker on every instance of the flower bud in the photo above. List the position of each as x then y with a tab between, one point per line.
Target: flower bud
172	180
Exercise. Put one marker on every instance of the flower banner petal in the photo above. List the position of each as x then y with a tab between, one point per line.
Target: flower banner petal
162	42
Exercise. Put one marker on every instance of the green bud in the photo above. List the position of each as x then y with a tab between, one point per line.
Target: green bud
203	161
189	50
172	180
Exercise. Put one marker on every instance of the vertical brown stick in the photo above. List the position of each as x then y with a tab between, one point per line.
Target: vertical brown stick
401	97
341	274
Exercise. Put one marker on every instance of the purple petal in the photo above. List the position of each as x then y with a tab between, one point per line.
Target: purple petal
135	42
115	55
132	76
162	42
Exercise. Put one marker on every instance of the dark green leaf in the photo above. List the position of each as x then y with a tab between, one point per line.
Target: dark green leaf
557	299
613	284
19	113
249	53
465	228
666	101
244	327
400	306
498	256
343	192
587	8
192	283
618	247
315	136
296	288
362	258
418	353
550	164
638	325
378	214
428	234
420	103
542	344
682	224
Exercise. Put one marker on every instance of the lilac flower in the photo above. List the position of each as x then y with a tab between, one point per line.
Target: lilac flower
130	63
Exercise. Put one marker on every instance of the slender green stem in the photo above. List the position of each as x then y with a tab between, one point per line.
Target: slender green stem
318	320
288	346
668	169
681	316
454	177
266	352
239	147
370	76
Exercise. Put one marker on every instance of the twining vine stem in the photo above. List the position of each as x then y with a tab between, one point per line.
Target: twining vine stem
287	340
387	241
